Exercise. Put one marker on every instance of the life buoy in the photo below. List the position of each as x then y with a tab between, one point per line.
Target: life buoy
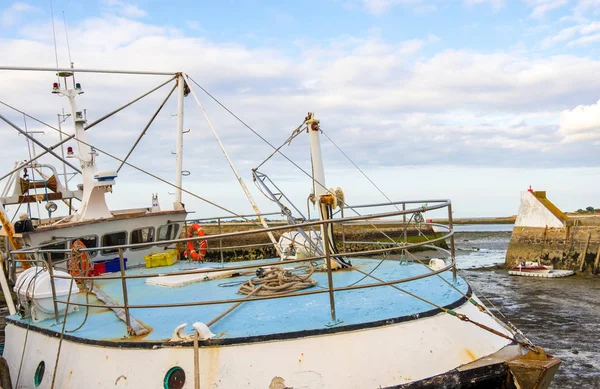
195	230
79	263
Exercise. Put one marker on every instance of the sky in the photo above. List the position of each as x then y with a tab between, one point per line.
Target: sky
470	100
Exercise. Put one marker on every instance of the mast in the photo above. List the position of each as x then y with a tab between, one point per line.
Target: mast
314	134
95	185
325	201
62	147
178	205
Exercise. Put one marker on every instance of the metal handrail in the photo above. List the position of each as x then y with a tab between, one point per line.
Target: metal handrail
396	246
305	293
31	250
274	263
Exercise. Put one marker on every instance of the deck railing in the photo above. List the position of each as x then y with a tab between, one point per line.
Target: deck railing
41	255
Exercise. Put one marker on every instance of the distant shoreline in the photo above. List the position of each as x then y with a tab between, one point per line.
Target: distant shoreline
480	220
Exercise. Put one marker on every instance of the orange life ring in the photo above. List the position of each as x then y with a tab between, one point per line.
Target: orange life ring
195	230
79	263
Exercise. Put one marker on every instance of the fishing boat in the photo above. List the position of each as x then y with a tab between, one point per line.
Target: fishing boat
125	299
532	267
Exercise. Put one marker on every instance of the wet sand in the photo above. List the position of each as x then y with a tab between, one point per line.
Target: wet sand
562	315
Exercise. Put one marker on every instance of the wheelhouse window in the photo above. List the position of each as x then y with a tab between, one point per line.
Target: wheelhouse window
168	232
114	239
89	241
56	246
142	235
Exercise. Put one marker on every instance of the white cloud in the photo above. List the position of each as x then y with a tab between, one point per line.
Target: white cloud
563	35
587	7
193	25
585	40
10	16
385	103
581	123
377	7
541	7
578	35
590	28
125	9
496	4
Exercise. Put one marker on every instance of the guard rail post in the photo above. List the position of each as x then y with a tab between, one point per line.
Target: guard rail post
329	275
125	297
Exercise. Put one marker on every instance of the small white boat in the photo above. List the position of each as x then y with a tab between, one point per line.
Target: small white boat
532	267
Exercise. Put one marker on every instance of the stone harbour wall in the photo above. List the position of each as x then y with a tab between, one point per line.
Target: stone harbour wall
351	233
570	248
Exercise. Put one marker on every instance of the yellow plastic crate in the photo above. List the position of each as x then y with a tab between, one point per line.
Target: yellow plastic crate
164	258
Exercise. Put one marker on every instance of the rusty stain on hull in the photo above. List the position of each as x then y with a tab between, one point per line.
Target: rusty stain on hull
470	354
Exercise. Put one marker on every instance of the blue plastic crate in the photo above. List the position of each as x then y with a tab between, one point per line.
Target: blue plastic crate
114	265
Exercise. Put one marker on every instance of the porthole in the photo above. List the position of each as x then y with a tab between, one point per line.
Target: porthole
39	374
175	378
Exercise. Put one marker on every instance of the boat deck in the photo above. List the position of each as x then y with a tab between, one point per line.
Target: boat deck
266	317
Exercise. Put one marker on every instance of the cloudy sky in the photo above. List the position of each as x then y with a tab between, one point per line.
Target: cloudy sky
470	100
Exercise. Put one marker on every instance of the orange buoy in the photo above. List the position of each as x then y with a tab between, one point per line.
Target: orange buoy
79	264
195	230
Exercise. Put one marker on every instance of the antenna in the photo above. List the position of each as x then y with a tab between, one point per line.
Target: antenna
67	34
54	35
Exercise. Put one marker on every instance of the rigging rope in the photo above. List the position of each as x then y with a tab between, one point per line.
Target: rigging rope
277	281
359	169
281	153
140	169
527	344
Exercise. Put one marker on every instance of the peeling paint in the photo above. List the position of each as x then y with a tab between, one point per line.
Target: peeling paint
119	379
278	383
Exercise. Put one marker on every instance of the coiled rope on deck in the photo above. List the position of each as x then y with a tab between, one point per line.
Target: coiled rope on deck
277	280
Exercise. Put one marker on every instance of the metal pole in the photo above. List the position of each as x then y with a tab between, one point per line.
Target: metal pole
220	240
72	70
404	220
146	128
451	225
5	289
125	299
343	231
62	151
329	275
9	182
86	128
233	168
196	362
234	306
48	263
19	167
179	143
404	252
49	150
92	124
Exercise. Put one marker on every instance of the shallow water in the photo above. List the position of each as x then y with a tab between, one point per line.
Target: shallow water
562	315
